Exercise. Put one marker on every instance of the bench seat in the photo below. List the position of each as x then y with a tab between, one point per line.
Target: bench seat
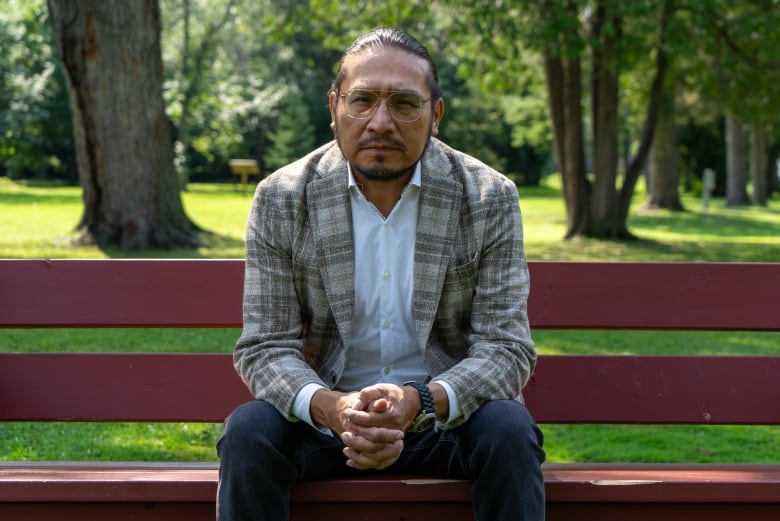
86	489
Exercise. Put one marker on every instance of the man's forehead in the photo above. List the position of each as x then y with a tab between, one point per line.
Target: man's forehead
395	69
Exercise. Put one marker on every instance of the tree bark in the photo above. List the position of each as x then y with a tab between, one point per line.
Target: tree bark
664	178
736	162
563	77
111	55
758	166
605	221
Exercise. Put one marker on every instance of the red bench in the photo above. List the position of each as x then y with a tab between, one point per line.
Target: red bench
565	389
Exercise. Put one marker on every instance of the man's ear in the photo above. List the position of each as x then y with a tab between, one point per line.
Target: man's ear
438	113
332	108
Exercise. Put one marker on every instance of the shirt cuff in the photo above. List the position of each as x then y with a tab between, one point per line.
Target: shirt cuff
454	404
301	405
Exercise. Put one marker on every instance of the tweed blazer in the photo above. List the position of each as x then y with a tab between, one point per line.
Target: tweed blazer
471	280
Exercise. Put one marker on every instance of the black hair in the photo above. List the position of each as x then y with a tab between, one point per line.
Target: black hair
390	38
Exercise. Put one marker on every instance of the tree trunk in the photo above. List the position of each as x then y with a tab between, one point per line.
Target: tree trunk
111	54
563	77
605	222
637	163
664	178
736	162
758	166
772	173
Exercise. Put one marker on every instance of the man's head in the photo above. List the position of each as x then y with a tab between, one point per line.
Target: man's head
385	103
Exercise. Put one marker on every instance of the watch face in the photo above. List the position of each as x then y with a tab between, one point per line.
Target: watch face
423	422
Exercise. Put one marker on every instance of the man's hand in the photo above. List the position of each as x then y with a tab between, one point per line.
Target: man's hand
370	442
386	405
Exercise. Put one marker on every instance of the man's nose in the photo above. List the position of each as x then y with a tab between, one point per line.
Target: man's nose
382	117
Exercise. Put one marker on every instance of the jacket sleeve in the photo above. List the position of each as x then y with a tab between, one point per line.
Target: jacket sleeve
269	355
499	353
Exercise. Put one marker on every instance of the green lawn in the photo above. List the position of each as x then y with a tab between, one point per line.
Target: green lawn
37	221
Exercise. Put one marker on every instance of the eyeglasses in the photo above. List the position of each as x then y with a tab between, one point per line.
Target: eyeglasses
403	106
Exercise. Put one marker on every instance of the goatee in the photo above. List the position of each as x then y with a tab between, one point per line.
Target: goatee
380	173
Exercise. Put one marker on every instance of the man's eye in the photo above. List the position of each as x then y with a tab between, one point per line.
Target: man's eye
406	101
361	98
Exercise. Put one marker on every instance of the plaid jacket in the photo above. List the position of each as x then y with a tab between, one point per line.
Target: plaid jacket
470	279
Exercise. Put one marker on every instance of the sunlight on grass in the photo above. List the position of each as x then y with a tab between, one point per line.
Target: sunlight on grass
720	234
85	441
37	221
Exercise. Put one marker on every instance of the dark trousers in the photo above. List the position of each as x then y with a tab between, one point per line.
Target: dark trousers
499	449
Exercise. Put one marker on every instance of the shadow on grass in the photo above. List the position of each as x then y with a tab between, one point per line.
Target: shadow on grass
711	250
703	223
214	246
26	198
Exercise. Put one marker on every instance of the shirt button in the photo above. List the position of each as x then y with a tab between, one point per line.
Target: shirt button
386	324
386	370
386	275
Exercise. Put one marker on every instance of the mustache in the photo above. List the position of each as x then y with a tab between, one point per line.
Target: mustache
372	142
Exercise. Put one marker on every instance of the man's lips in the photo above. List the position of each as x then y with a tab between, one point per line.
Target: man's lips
380	145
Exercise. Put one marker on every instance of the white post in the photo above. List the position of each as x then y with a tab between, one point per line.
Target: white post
708	185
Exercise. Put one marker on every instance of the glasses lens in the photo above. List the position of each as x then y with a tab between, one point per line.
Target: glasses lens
404	106
361	103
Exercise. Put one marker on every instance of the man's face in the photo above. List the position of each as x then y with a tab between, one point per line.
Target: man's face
381	147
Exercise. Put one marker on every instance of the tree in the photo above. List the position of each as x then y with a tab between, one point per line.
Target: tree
598	208
112	60
736	162
741	56
758	166
663	168
197	52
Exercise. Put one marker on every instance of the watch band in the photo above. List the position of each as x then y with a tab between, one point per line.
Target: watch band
427	416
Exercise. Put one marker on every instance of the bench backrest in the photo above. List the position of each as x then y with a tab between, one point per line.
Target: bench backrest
565	389
207	293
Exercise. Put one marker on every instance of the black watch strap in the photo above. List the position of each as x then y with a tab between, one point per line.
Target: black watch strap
427	416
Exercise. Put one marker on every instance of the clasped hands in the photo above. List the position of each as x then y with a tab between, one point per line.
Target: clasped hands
370	422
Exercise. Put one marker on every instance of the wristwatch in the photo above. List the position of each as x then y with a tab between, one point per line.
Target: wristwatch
427	416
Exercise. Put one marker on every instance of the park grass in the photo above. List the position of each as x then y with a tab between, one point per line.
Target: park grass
37	221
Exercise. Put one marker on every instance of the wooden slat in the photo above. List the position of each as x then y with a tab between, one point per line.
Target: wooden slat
205	293
121	293
638	295
583	483
118	387
388	511
565	389
656	389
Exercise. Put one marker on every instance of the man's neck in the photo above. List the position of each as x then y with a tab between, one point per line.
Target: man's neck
383	193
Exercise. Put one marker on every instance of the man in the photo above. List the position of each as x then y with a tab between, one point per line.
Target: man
385	323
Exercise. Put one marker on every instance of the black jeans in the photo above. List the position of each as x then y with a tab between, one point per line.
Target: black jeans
499	449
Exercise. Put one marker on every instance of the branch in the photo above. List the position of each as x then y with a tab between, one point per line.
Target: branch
637	162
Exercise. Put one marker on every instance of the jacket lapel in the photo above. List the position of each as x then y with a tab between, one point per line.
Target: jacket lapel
437	225
331	223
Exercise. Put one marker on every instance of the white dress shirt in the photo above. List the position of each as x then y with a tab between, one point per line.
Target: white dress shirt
384	347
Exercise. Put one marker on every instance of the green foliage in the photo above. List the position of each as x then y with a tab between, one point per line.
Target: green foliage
35	136
231	74
292	136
